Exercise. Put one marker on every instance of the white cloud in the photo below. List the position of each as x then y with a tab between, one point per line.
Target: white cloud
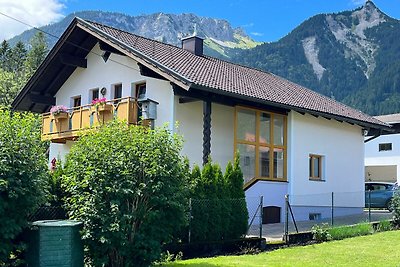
257	33
248	25
33	12
357	2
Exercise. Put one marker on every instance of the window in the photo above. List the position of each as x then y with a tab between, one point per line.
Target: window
314	216
140	91
94	94
76	101
260	140
385	147
118	91
315	164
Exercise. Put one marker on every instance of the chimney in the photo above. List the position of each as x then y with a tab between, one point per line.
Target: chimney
193	44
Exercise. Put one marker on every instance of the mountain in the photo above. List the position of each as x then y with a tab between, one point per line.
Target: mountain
352	56
220	38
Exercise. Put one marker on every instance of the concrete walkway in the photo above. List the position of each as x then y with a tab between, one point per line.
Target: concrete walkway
272	232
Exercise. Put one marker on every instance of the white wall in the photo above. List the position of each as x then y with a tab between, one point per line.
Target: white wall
190	119
374	157
222	134
273	195
342	148
59	151
118	69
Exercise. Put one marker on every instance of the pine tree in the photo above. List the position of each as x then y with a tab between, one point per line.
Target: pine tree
17	59
5	53
238	210
36	54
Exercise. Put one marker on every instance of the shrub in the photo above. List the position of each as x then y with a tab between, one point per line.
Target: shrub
343	232
384	225
219	210
127	185
321	233
238	210
395	204
23	171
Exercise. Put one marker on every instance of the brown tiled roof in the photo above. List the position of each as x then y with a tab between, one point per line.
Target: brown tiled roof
390	118
227	77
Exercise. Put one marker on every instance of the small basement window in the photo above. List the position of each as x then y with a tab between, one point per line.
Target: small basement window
385	147
314	216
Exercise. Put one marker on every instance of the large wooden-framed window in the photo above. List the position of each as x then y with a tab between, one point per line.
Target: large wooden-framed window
260	138
315	167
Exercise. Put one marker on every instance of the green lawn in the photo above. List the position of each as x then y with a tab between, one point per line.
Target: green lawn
381	249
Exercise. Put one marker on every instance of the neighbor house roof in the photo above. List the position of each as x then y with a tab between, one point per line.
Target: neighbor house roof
190	71
390	118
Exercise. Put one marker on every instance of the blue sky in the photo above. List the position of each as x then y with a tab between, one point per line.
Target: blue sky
263	20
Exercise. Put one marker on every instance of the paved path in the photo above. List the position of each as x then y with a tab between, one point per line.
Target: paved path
276	231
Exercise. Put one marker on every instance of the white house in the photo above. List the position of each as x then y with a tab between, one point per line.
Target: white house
291	140
382	153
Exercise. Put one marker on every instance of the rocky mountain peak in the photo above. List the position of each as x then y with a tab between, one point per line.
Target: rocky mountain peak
220	36
350	30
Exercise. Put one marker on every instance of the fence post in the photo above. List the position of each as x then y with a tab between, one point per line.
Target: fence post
369	205
332	207
261	214
190	219
286	218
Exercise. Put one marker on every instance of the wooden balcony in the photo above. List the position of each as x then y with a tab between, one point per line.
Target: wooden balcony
69	126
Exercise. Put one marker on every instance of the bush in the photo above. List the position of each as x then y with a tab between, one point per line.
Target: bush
321	233
384	225
219	210
395	205
23	171
127	185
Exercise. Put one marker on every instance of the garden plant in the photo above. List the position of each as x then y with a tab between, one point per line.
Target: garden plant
23	172
127	184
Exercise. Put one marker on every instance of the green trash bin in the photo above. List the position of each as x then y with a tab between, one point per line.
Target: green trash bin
55	243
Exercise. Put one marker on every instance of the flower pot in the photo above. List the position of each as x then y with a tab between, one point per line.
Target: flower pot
103	108
59	116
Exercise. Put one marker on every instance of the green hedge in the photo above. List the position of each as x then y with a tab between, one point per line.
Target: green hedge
218	206
23	173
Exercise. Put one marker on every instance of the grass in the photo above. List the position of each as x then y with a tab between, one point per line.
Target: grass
342	232
381	249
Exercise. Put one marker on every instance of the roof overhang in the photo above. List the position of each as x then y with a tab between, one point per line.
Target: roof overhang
370	127
70	52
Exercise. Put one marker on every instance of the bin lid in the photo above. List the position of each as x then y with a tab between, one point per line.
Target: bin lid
56	223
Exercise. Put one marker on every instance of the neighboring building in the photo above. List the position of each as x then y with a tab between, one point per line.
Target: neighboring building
382	153
291	140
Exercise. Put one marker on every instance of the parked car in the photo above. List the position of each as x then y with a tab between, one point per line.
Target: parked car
379	194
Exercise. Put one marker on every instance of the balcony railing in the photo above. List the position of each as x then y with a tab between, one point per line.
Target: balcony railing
68	126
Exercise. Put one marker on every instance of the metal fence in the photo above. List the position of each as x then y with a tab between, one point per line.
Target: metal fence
48	213
301	212
216	219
